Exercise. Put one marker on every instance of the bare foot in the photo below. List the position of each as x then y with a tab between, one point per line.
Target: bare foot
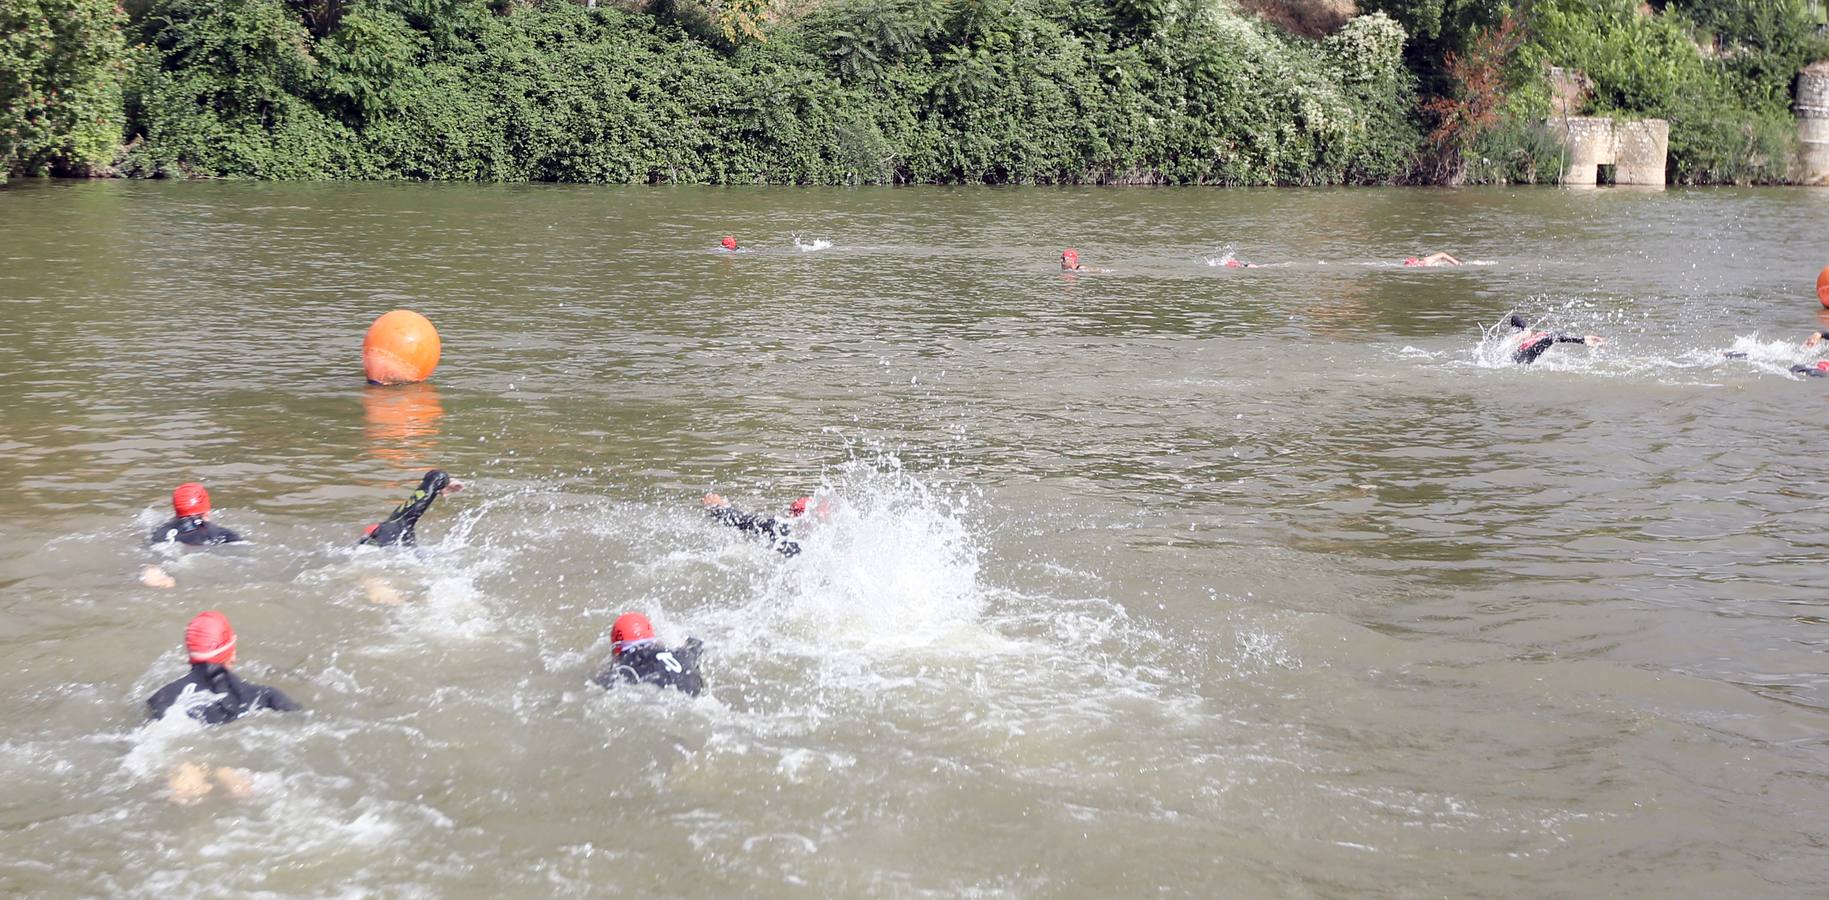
235	781
156	577
381	592
189	783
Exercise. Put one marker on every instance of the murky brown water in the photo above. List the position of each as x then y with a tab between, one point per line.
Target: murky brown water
1175	580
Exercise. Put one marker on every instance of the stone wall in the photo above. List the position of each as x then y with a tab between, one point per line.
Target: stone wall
1813	123
1637	150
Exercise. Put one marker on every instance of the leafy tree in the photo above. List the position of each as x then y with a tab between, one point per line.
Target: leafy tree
62	65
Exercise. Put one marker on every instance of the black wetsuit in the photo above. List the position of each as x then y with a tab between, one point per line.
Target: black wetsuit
213	695
1811	371
398	530
774	528
650	663
1538	341
193	530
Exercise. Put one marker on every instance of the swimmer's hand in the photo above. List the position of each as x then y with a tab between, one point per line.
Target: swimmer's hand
454	486
156	577
1594	340
1816	337
714	500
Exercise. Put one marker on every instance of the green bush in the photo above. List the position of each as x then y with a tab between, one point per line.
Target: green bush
62	64
1016	91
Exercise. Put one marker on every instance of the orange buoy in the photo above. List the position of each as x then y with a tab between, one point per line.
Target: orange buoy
401	346
1822	287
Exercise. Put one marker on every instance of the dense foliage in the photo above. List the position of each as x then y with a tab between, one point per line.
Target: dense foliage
62	63
845	91
869	91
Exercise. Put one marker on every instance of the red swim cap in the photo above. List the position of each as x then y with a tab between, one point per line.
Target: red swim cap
799	506
630	628
190	499
730	243
210	639
1412	261
1071	256
1822	365
370	530
1234	264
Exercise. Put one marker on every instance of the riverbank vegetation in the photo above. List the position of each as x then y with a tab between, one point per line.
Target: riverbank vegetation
883	91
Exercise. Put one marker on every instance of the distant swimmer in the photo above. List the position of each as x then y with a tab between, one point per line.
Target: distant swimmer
729	243
1231	263
774	528
1433	259
1533	342
211	693
637	657
398	529
1070	262
1818	369
191	525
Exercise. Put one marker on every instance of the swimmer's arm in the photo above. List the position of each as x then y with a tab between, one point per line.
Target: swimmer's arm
1816	337
1592	340
748	523
273	698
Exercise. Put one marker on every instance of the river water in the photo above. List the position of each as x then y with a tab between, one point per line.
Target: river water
1175	579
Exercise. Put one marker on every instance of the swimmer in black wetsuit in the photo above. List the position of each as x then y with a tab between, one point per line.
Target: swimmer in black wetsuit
1818	369
398	529
211	693
191	525
774	528
637	657
1534	343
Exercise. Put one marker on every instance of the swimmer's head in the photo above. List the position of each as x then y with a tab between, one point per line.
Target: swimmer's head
1070	259
729	242
190	499
629	630
209	639
821	509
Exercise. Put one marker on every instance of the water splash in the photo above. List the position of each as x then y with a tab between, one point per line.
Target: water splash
813	246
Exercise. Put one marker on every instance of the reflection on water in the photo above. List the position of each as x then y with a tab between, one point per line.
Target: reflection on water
403	423
1281	579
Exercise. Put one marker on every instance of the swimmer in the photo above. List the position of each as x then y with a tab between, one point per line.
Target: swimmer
776	529
1070	261
1533	343
1819	369
729	243
1432	260
190	526
1816	337
398	529
637	657
212	694
192	523
1231	263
